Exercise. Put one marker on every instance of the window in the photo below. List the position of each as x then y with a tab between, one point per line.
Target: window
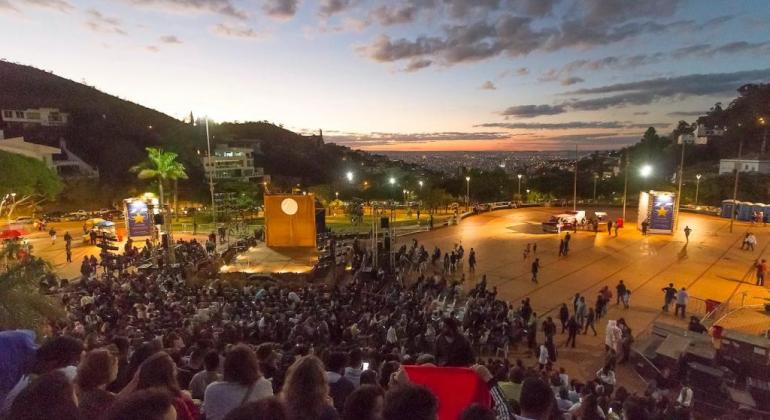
8	114
19	114
33	115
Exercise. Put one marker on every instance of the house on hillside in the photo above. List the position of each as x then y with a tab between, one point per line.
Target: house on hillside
746	165
59	159
229	163
46	117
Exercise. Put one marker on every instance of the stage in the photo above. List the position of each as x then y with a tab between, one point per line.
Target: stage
262	259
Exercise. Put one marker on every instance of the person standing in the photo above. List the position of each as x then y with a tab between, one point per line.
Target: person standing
621	290
687	231
581	311
567	238
561	247
68	246
52	234
609	227
616	230
645	226
590	321
669	294
472	260
681	302
627	298
563	317
761	271
542	358
572	329
535	269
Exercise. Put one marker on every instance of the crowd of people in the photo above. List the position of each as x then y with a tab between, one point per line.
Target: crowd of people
153	344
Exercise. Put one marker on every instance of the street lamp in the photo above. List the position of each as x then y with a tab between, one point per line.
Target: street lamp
645	171
349	176
519	192
467	192
697	187
392	181
420	182
596	177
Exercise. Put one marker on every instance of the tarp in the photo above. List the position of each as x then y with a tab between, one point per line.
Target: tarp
12	233
455	388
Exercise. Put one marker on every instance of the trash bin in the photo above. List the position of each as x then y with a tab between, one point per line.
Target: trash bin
619	222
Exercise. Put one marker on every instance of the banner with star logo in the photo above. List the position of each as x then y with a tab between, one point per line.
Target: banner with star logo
662	212
138	219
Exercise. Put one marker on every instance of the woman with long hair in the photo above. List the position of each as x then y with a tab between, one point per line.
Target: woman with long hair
242	383
365	403
50	396
98	369
306	392
159	372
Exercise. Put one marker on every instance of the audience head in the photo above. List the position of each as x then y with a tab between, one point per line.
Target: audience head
59	352
410	402
98	368
536	399
211	361
143	405
241	365
369	377
336	362
365	403
477	412
305	390
48	395
265	409
159	371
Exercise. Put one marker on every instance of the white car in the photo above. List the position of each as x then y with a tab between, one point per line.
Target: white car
564	221
23	220
76	215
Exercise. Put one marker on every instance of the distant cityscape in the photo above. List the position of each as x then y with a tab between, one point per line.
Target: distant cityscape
452	162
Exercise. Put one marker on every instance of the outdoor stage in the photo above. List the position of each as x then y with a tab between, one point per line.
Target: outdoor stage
261	259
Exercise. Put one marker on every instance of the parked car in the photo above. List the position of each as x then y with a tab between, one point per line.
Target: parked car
23	220
564	221
54	216
76	215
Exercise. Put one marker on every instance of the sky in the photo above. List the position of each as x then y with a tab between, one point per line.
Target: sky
409	74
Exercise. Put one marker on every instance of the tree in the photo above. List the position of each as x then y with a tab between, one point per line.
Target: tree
161	166
21	303
29	179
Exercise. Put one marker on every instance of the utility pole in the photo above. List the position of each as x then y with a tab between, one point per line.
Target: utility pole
625	188
574	183
735	186
596	176
212	167
679	190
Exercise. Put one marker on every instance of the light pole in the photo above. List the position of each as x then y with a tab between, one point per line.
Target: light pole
467	192
596	176
574	182
679	188
212	168
527	196
735	185
625	187
697	188
763	122
519	193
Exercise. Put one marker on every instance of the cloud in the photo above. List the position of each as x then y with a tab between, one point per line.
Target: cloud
602	11
98	22
331	7
417	64
645	92
170	39
571	81
7	6
687	113
231	31
571	125
221	7
522	71
280	9
531	111
395	15
488	85
152	48
60	5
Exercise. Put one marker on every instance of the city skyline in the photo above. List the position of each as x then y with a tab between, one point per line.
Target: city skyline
415	75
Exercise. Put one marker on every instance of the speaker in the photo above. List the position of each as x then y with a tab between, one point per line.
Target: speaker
384	222
157	219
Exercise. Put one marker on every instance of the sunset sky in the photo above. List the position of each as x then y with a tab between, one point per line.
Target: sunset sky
408	74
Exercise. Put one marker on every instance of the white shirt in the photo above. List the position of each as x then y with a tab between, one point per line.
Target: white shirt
685	397
222	397
543	359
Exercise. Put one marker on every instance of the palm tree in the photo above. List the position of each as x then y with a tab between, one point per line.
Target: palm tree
162	166
21	303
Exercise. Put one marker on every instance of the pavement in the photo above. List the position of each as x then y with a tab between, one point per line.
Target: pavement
710	266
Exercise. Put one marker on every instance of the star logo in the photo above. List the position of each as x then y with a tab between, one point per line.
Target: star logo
138	218
662	212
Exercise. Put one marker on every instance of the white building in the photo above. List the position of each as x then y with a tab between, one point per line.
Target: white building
61	160
48	117
727	166
232	164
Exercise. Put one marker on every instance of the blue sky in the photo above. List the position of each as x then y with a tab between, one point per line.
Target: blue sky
408	74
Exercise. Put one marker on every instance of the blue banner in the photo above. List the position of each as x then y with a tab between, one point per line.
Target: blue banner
138	219
662	212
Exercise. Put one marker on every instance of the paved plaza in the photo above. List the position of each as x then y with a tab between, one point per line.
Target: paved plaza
711	266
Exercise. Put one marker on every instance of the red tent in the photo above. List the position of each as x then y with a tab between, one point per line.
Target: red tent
12	233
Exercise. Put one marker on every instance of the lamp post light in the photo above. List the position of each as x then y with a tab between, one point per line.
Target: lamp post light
527	196
519	190
349	176
697	188
596	177
763	122
467	192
